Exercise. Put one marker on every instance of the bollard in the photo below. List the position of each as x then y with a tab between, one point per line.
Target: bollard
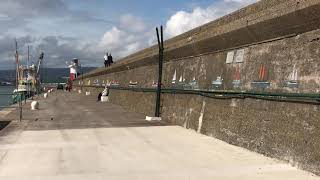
20	109
104	98
45	95
20	114
34	105
148	118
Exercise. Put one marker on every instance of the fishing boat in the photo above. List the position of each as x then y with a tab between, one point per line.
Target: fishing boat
27	78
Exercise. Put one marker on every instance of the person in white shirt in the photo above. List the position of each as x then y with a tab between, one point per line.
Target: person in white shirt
106	60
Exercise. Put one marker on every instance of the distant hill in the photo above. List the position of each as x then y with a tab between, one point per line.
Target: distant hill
48	75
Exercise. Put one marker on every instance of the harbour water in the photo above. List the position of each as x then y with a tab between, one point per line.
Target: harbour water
5	99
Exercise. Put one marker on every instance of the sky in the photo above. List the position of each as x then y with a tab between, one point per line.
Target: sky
86	29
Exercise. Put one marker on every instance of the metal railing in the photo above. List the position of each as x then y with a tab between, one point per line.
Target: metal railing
305	98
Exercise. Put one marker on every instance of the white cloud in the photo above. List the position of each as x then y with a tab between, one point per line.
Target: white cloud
183	21
112	38
133	34
132	23
122	41
130	35
4	17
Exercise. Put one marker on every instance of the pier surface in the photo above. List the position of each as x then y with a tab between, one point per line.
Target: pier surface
76	138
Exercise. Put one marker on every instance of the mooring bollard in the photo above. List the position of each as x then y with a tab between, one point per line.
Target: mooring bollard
34	105
20	114
148	118
104	98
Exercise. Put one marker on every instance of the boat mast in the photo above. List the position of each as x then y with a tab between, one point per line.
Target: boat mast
28	60
17	64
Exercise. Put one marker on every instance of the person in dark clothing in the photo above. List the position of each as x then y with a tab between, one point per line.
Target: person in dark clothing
110	59
99	97
69	86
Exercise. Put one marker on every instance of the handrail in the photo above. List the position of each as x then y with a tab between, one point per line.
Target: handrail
309	98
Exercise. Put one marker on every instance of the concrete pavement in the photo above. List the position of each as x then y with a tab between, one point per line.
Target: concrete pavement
74	137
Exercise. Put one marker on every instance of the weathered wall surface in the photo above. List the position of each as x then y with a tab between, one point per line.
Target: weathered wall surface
269	47
293	59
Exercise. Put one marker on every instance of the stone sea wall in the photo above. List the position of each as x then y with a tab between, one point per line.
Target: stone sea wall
268	49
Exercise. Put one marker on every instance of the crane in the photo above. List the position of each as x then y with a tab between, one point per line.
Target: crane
39	62
37	80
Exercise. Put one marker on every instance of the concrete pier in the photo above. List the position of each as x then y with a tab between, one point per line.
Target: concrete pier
74	137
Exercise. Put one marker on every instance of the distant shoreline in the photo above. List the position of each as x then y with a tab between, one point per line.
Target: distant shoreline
7	85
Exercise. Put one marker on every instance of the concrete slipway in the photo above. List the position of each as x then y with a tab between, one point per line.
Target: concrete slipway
69	138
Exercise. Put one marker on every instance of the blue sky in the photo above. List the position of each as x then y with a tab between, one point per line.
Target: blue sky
64	29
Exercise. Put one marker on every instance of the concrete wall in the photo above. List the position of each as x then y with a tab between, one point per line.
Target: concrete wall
289	59
275	50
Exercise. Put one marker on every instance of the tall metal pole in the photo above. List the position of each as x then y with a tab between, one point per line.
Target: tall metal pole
17	64
28	71
28	58
161	49
17	81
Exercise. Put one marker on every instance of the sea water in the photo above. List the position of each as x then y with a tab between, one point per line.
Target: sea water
5	100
